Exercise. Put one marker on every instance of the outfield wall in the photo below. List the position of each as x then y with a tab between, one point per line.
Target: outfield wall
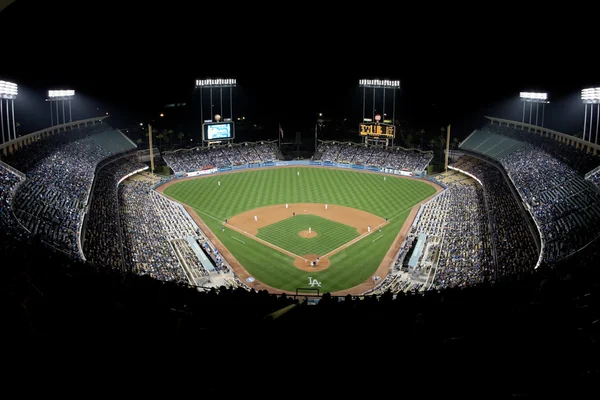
386	170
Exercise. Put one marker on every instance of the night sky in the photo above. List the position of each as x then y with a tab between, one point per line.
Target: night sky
293	61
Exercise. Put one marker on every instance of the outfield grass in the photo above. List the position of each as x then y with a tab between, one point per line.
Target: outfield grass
331	234
391	198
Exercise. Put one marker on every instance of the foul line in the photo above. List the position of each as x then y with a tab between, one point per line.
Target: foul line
332	252
213	217
233	237
397	215
289	253
271	245
284	251
377	238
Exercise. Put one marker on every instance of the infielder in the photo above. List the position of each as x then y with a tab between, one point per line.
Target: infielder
255	218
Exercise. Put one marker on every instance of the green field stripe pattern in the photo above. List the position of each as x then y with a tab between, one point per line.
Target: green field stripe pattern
284	234
391	197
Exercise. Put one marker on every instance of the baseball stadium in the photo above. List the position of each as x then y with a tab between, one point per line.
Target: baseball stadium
360	235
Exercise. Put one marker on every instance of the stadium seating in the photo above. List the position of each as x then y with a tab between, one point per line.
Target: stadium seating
9	181
512	234
564	204
102	244
59	173
200	158
377	156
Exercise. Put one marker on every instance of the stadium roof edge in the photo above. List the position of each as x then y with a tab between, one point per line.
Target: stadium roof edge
51	129
536	128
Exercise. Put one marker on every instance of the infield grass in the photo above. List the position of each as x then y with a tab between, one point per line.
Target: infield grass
330	234
391	198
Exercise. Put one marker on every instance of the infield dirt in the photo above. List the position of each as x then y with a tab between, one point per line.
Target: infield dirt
269	215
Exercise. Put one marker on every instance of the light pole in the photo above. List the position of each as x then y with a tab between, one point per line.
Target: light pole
537	99
56	96
381	84
591	96
216	83
8	92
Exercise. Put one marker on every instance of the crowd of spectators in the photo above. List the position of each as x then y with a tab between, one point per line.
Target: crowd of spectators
59	171
150	222
578	159
9	181
52	199
201	158
566	207
25	158
459	215
147	248
594	178
102	244
377	156
512	233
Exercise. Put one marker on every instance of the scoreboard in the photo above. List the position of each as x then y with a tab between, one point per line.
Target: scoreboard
377	130
214	131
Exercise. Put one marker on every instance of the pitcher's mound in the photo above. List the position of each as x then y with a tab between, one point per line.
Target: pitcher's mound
304	263
307	234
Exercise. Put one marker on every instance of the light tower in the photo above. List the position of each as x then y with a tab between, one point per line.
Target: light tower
56	96
8	92
216	83
537	99
378	131
591	96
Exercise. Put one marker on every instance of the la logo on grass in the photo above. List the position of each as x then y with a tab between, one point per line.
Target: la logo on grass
313	282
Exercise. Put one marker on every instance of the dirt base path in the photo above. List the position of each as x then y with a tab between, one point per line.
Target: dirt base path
382	271
252	220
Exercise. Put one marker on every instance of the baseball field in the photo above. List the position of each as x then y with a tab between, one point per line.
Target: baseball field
294	227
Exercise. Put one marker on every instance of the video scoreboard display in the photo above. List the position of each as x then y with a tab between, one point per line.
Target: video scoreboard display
377	130
218	131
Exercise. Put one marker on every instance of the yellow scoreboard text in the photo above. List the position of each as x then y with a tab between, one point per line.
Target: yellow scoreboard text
377	130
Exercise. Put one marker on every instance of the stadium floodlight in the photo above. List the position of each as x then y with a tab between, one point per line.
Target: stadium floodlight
215	83
537	98
61	95
383	85
533	96
379	83
591	96
8	91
